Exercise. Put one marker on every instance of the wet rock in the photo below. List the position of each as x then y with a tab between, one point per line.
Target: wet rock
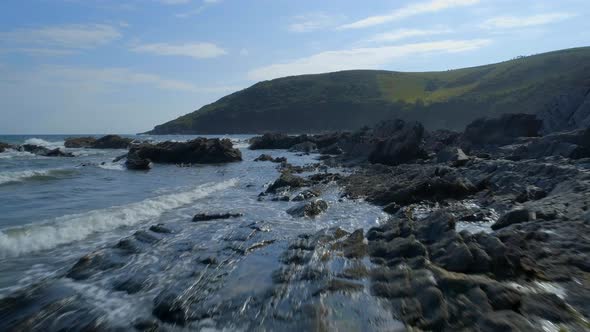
130	285
135	162
547	306
267	157
214	216
428	189
197	151
340	285
531	193
514	217
160	228
455	156
309	209
399	143
502	130
43	151
94	263
112	142
503	321
398	248
119	158
433	308
80	142
169	308
332	150
275	141
305	195
286	180
5	146
306	147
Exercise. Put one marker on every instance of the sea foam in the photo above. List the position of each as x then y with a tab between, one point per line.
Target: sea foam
44	143
70	228
19	176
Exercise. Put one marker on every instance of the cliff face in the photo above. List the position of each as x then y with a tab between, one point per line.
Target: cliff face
554	84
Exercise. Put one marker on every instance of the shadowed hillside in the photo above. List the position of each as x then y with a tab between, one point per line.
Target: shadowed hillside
351	99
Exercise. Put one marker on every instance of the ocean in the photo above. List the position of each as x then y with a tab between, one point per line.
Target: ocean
53	211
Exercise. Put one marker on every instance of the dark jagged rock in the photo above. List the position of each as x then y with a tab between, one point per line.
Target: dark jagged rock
45	152
197	151
397	143
306	147
514	217
80	142
455	156
95	262
428	189
573	144
275	141
5	146
267	157
502	130
332	150
112	142
309	209
214	216
286	180
135	162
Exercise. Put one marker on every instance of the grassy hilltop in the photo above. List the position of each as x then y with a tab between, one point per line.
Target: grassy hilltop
350	99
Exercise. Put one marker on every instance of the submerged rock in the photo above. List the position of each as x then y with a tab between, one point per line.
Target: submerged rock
197	151
309	209
207	217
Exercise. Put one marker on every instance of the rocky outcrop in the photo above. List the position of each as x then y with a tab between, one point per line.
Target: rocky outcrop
286	181
197	151
112	142
567	111
275	141
135	162
80	142
306	147
43	151
267	157
397	142
452	155
502	130
309	209
5	146
573	144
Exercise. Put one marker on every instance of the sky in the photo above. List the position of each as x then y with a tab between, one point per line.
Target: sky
116	66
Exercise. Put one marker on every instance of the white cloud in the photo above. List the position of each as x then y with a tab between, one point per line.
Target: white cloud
407	33
360	58
408	11
508	22
74	36
312	21
193	50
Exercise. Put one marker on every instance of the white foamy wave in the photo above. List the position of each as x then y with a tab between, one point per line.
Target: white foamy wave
8	177
112	166
44	143
70	228
11	153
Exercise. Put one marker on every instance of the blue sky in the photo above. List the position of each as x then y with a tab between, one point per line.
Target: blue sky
115	66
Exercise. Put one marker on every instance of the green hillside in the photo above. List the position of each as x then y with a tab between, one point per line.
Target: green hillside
351	99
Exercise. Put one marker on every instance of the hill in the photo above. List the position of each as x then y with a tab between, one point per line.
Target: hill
351	99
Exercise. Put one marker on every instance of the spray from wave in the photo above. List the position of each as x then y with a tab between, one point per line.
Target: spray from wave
70	228
44	143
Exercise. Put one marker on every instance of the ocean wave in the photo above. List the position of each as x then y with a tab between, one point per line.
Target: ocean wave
70	228
11	153
44	143
38	174
112	166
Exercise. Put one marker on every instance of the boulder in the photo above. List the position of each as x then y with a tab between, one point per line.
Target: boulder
332	150
112	142
397	142
309	209
286	180
503	130
197	151
306	147
135	162
80	142
267	157
214	216
514	217
452	155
